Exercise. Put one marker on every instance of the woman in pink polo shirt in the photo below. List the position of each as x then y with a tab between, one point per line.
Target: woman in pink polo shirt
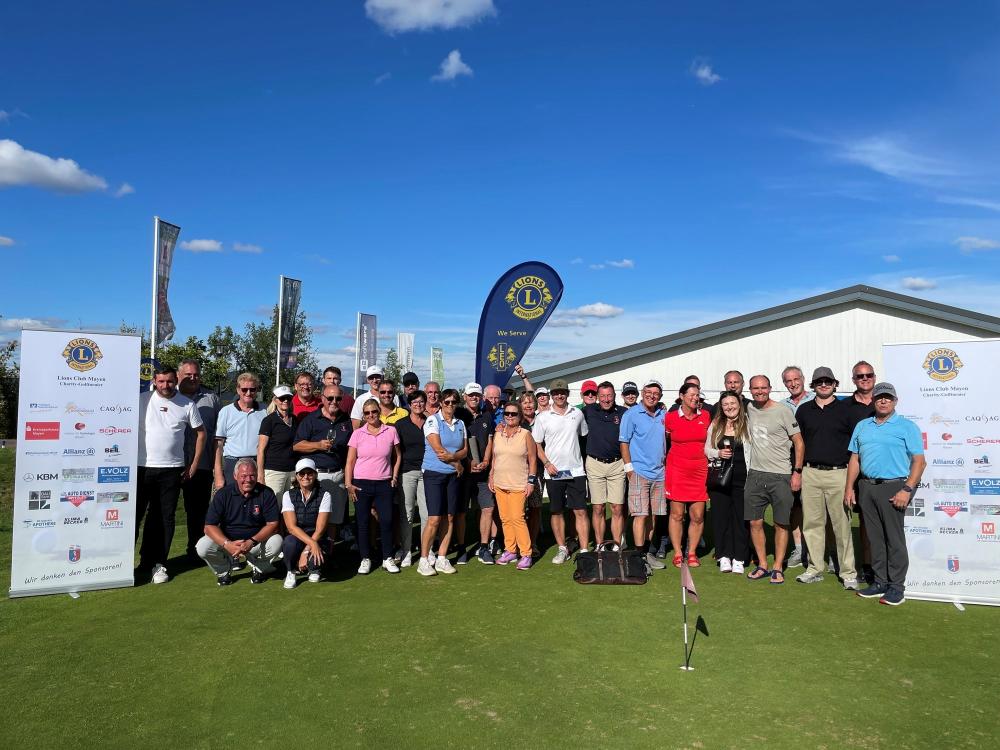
371	475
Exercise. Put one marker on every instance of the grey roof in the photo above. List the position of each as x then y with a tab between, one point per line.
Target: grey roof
853	294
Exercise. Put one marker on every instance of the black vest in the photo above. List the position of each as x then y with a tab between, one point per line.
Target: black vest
306	513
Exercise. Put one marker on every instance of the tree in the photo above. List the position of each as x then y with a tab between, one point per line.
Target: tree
10	373
256	350
393	370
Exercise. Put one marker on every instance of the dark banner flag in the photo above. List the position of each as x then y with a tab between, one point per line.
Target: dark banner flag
367	351
288	309
165	241
515	311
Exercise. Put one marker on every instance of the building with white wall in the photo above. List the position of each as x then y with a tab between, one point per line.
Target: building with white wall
836	329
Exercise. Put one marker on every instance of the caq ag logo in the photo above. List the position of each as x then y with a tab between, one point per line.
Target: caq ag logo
942	364
82	354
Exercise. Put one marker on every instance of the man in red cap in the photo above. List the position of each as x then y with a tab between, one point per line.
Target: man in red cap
589	392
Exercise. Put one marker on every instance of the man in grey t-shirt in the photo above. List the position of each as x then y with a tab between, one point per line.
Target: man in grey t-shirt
772	477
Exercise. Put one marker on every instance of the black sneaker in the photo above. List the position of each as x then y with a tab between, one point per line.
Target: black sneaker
868	573
258	577
875	591
893	597
225	579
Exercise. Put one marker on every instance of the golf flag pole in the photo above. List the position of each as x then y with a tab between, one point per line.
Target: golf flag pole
687	587
156	259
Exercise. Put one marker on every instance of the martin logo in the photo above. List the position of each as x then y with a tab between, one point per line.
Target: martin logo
987	527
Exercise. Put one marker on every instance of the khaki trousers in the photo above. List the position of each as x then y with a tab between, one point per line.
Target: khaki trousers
822	497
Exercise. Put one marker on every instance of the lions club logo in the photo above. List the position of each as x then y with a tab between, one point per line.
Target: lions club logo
502	356
528	297
82	354
146	371
942	364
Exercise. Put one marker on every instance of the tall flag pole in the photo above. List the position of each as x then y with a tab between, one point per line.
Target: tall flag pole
515	311
366	348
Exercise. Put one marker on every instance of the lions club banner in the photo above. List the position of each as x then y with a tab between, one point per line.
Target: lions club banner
953	521
75	471
515	311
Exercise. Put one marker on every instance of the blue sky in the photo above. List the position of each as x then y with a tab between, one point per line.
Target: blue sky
676	163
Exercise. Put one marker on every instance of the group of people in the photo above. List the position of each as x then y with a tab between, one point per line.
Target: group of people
408	454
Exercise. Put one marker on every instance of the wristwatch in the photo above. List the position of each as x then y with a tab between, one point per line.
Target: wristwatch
797	469
907	488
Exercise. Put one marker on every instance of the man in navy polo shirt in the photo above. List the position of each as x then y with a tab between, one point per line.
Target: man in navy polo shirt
887	452
604	464
478	417
322	436
242	519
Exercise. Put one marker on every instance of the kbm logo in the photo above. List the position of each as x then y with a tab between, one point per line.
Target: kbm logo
942	364
528	297
984	486
82	354
111	474
41	477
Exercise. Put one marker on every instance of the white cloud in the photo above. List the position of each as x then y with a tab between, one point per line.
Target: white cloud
452	67
383	78
242	247
596	266
6	116
702	71
423	15
595	310
317	258
6	241
125	189
918	283
16	324
977	202
576	261
623	263
886	156
973	244
574	322
202	246
19	166
891	258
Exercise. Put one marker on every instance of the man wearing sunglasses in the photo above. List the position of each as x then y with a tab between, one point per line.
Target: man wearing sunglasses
333	376
826	426
391	413
862	407
323	436
237	429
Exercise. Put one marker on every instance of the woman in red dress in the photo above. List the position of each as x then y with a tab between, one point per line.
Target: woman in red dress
686	471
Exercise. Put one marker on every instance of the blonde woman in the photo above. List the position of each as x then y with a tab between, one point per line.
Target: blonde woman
727	436
512	479
275	457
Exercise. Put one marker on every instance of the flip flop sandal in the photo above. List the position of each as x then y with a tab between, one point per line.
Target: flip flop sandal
757	573
777	576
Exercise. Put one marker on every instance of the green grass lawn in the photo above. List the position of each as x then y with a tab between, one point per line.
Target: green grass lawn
490	657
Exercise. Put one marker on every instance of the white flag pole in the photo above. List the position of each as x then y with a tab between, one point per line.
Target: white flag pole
156	263
277	365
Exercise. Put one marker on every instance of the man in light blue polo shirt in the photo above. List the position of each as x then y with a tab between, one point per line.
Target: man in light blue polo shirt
238	427
887	452
642	440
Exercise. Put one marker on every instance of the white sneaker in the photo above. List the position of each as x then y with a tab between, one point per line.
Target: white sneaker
432	558
365	567
407	560
443	566
561	556
390	565
725	565
314	577
160	574
425	568
738	567
290	580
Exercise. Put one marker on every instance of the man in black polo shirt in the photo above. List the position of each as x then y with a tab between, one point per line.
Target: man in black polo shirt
322	435
478	417
604	465
242	519
862	407
410	493
826	424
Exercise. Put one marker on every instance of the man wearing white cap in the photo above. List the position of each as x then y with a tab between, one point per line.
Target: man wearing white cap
374	377
477	415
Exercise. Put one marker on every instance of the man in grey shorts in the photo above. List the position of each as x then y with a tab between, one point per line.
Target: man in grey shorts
772	477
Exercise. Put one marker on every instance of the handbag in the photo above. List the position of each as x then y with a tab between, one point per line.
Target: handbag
720	473
609	564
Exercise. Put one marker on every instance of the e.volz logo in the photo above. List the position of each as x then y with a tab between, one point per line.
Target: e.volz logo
111	474
985	486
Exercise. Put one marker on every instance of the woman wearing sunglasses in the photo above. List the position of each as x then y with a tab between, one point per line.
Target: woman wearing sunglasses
446	444
275	457
371	476
512	479
305	510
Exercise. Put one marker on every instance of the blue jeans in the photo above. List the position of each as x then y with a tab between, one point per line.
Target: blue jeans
377	493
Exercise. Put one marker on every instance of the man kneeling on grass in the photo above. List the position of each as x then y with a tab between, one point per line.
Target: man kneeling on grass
242	519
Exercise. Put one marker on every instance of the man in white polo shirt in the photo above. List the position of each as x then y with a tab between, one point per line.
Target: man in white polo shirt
164	416
557	433
238	428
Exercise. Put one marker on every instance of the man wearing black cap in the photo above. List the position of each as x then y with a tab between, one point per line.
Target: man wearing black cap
410	383
887	453
630	394
826	424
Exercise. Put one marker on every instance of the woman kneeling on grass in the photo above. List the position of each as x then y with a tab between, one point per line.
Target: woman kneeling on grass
371	476
512	478
306	511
